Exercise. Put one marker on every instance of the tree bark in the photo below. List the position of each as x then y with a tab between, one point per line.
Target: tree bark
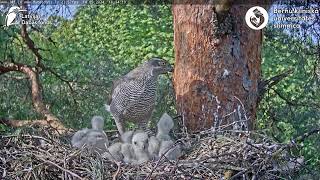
217	67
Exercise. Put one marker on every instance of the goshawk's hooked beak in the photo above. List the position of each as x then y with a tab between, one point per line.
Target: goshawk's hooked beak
169	68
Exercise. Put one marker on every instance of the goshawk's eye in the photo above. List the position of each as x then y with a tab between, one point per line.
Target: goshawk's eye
162	63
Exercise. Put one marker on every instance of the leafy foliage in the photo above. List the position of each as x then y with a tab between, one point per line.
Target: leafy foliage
99	44
291	108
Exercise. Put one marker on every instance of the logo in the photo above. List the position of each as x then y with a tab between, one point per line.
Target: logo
12	15
257	18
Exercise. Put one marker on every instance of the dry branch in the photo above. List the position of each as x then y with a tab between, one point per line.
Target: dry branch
267	84
36	96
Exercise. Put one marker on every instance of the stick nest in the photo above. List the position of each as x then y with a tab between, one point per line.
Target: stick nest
207	155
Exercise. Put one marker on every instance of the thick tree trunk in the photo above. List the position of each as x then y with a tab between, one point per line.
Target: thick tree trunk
217	67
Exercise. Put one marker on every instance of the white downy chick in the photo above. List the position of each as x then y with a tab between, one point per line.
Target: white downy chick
79	138
93	139
114	152
153	148
164	125
100	141
97	123
97	140
140	147
126	148
127	137
172	154
128	153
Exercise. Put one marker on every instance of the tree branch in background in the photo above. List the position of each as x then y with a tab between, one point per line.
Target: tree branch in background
294	103
44	36
306	135
36	96
26	38
68	82
298	139
35	50
32	73
264	85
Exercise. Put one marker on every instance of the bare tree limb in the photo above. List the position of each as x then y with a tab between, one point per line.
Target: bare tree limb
293	103
35	50
28	41
68	82
306	135
36	96
264	85
32	73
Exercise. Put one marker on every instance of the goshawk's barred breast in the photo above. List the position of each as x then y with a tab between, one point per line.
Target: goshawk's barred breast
133	96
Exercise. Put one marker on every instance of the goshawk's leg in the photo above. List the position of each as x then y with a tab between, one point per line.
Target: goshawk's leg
143	125
119	124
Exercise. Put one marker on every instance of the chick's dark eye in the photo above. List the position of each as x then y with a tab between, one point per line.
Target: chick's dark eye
135	143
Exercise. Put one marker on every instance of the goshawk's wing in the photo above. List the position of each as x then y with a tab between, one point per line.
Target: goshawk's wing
123	81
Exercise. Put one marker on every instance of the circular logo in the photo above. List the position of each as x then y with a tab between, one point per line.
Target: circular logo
257	18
